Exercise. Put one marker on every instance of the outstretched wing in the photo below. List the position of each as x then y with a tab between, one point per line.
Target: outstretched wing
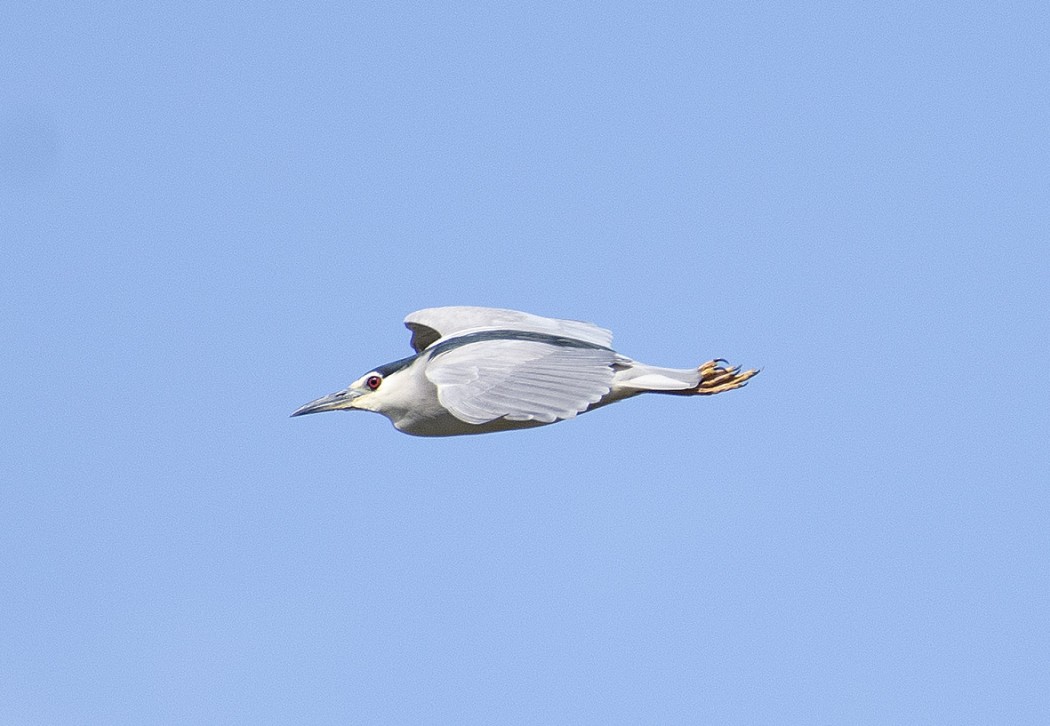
520	379
431	324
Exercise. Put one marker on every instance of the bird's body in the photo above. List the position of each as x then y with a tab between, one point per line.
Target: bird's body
478	370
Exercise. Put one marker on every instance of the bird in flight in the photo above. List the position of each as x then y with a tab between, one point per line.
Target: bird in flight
478	370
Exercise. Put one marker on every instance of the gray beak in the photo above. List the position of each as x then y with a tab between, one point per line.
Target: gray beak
332	402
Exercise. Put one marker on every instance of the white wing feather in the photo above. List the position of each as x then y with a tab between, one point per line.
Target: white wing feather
431	324
520	380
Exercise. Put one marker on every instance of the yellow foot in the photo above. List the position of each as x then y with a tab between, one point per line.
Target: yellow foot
716	377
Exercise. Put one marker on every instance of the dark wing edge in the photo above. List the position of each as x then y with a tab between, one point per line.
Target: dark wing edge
423	336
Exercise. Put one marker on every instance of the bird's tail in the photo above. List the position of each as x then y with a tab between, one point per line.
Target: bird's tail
712	377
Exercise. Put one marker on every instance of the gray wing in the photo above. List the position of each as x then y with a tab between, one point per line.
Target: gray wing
431	324
520	380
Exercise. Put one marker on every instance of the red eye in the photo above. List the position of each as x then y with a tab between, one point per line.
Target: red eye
373	382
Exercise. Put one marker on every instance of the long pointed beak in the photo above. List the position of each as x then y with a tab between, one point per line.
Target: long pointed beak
332	402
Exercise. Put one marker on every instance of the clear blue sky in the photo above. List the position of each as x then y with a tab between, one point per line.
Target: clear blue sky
212	213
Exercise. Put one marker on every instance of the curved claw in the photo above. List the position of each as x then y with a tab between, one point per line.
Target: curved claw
716	377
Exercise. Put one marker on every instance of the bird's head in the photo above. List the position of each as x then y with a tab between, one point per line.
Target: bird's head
349	397
370	392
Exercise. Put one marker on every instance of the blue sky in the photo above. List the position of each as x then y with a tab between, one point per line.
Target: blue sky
210	215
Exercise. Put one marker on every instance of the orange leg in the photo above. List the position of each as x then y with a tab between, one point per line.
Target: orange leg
716	377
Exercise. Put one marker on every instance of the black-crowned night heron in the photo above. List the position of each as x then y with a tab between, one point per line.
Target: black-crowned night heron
478	370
